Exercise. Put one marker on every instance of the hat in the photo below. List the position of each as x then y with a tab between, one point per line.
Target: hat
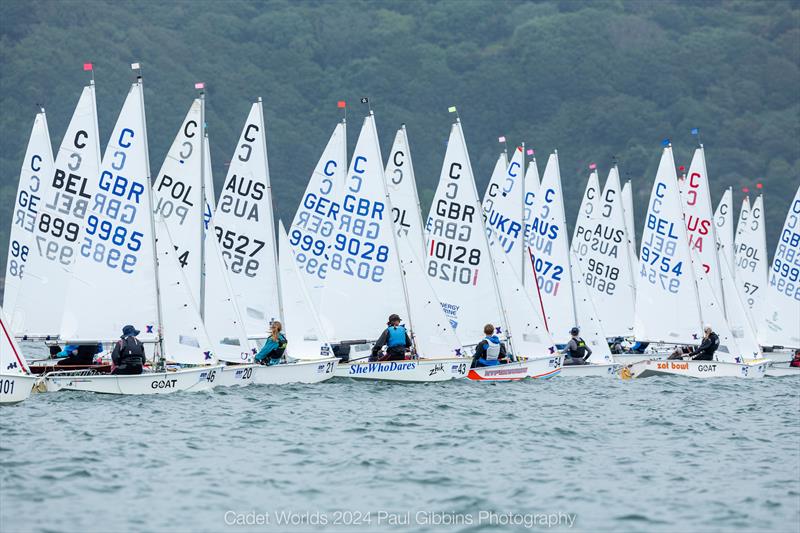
129	331
574	331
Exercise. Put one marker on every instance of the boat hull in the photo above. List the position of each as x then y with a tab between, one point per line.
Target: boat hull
631	358
596	370
782	370
15	388
236	375
537	368
412	371
186	379
297	372
699	369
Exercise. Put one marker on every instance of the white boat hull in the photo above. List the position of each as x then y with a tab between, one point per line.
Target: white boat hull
782	370
597	370
236	375
296	372
412	370
15	388
537	368
187	379
699	369
630	358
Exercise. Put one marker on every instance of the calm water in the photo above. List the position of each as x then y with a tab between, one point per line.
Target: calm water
658	454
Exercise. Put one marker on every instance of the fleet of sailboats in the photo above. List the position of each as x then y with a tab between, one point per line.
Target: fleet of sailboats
205	277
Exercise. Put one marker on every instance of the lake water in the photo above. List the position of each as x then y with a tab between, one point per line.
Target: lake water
659	454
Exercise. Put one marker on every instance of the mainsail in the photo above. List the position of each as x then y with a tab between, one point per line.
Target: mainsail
63	209
751	259
780	323
723	227
245	228
11	359
667	306
36	172
402	185
630	227
503	209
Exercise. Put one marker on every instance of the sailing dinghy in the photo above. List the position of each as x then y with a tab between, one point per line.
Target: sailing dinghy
668	293
16	382
119	258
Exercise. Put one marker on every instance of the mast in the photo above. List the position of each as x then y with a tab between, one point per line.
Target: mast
566	236
393	231
202	302
488	247
272	239
160	338
521	242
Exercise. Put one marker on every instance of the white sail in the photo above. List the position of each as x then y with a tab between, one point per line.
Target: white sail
63	209
317	217
35	174
208	176
244	226
222	315
667	307
184	337
363	250
549	247
723	227
11	359
751	259
433	335
529	337
630	227
402	185
115	268
696	195
531	189
588	317
307	339
178	195
602	246
588	210
503	207
780	323
737	314
459	264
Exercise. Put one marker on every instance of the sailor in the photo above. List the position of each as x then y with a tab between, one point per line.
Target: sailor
128	355
395	338
272	351
705	352
577	352
490	351
796	360
79	354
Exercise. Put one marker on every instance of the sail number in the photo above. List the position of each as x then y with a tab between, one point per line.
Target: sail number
548	275
309	263
17	259
238	251
7	386
601	276
659	267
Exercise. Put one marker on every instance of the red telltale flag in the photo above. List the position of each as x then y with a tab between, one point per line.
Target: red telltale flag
341	103
87	66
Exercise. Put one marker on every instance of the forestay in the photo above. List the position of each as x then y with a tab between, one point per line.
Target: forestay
36	171
667	307
588	316
549	247
184	336
723	227
503	207
65	200
780	325
363	252
307	339
402	185
244	226
751	259
630	227
178	195
11	359
700	227
458	263
317	216
601	246
115	268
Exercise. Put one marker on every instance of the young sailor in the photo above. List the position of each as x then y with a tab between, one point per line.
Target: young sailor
577	352
796	360
272	351
490	351
128	355
79	354
395	338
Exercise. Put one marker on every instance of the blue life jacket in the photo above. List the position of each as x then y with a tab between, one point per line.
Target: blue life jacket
396	336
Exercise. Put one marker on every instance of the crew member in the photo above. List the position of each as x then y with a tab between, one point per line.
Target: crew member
395	338
79	354
705	352
796	360
490	351
272	351
577	352
128	355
